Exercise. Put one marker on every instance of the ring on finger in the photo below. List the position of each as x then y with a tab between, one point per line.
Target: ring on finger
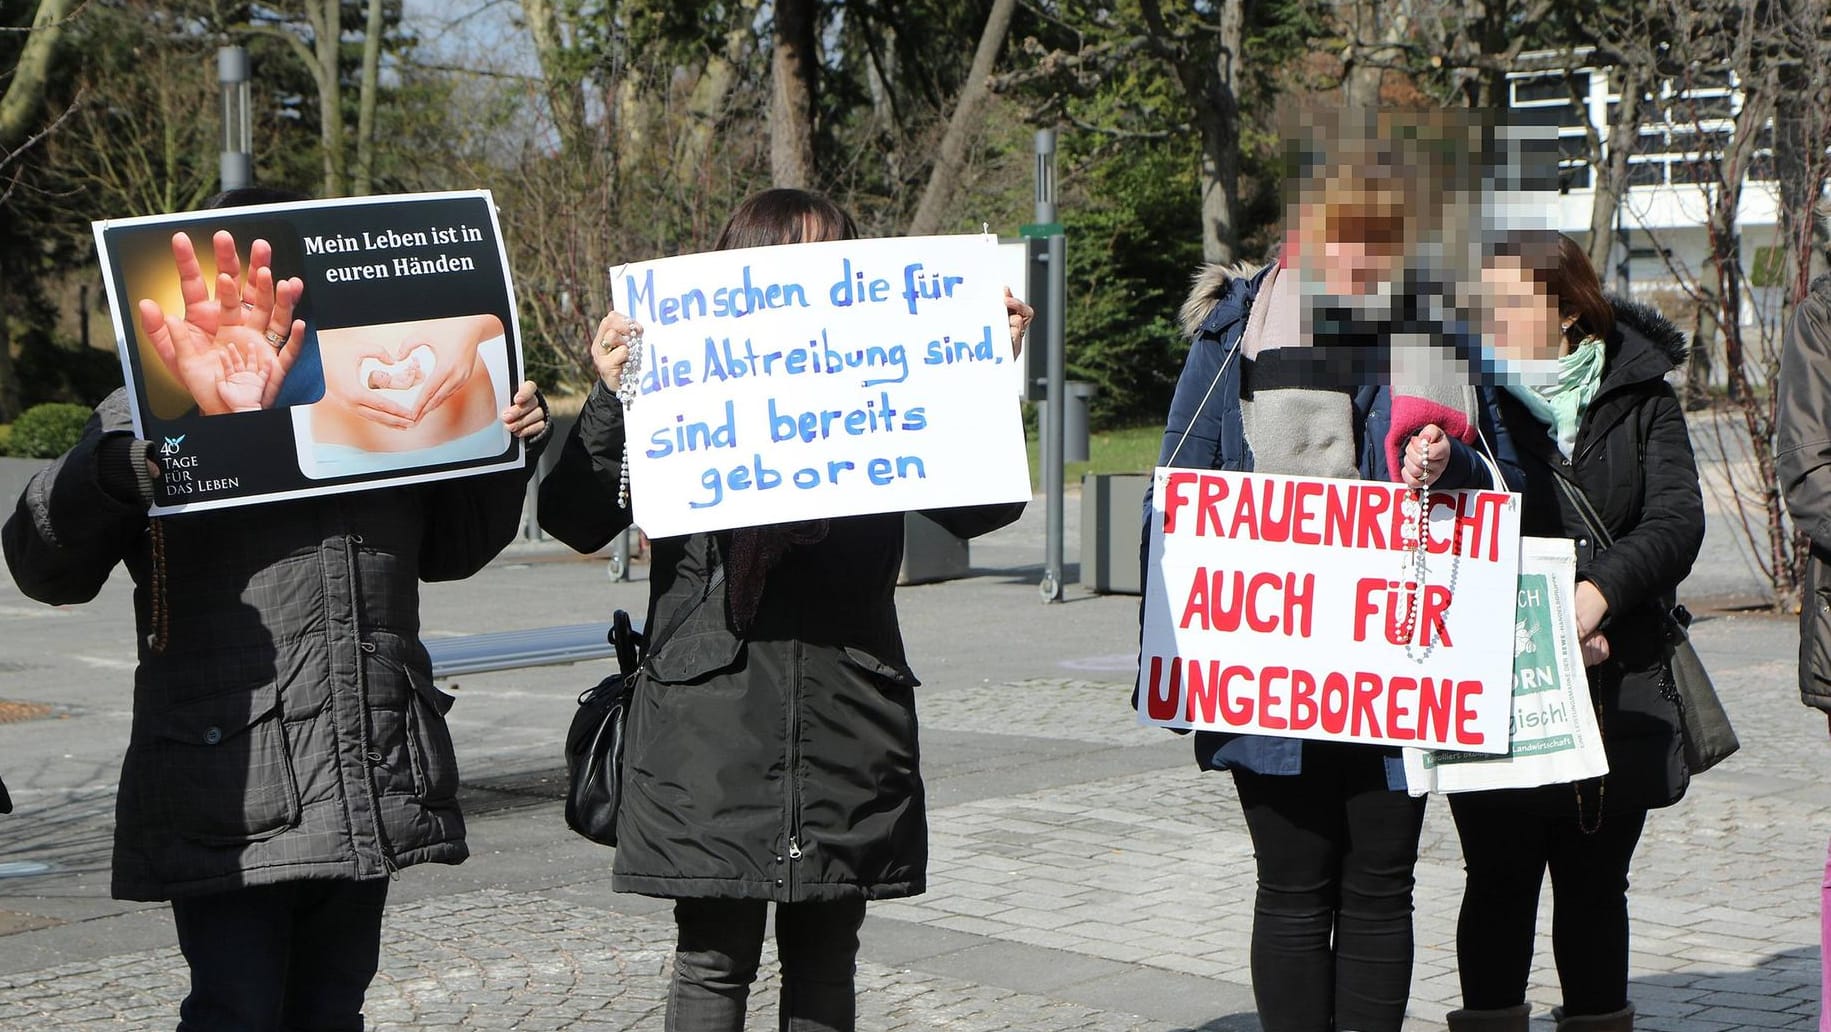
276	339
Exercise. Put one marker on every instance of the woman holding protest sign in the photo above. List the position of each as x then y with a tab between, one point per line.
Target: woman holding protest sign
1287	373
772	740
288	755
1608	434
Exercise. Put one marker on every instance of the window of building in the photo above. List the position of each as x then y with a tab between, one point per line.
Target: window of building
1555	87
1646	171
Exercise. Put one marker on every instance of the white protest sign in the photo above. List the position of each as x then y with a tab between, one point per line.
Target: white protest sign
1289	606
826	379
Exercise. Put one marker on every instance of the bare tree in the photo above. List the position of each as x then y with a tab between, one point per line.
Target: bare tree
1375	34
555	29
363	179
794	79
21	128
969	108
1211	75
25	90
1723	105
319	46
709	100
1802	140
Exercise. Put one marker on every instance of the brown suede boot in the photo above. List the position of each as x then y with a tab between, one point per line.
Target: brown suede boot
1618	1021
1506	1019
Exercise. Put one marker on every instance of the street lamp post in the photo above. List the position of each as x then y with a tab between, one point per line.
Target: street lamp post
238	118
1053	305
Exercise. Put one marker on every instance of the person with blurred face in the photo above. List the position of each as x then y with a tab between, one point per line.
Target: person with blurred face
1289	372
1587	403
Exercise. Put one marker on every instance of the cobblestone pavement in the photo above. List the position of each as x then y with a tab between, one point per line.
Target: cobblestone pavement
1083	876
495	959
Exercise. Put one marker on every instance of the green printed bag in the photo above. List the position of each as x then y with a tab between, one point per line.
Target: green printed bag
1554	736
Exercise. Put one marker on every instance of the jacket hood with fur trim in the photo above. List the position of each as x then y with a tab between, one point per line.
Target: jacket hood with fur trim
1658	330
1214	284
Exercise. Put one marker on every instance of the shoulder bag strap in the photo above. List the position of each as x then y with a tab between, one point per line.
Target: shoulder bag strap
691	606
633	647
1580	500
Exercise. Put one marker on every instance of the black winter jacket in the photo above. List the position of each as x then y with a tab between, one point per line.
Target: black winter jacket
288	728
1803	463
780	764
1633	459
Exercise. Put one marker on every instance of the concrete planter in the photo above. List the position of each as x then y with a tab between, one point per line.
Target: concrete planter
1112	507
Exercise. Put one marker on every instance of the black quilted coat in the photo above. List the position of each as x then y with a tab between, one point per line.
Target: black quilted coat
1634	461
780	764
288	728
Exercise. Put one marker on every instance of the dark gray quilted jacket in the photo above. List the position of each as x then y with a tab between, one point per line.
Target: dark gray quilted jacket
1802	463
285	722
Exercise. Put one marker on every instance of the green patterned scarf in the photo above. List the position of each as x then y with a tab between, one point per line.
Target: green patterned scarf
1560	405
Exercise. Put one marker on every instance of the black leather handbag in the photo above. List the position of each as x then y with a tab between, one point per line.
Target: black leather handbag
594	743
1704	728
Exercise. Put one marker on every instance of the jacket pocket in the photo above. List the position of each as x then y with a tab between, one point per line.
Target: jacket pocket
702	646
899	675
435	761
220	770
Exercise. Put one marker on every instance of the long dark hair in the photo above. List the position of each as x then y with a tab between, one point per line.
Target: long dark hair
1579	292
785	216
1563	271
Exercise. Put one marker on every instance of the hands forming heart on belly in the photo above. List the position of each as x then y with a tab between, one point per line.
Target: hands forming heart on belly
397	374
402	381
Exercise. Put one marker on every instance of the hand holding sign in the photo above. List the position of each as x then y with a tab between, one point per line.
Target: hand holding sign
1020	315
526	415
1426	455
609	349
231	352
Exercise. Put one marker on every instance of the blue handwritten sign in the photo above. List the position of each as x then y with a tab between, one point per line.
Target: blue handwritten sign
827	379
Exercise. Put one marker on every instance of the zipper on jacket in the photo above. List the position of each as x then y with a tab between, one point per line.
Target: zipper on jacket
366	647
792	769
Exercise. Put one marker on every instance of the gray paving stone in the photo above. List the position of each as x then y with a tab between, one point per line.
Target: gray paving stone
1107	884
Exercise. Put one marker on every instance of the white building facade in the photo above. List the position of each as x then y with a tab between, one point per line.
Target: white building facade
1662	239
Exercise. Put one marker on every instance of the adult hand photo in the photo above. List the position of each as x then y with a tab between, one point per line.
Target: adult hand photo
455	351
231	351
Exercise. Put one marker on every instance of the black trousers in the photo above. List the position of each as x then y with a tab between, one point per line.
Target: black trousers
293	957
721	944
1331	933
1506	850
